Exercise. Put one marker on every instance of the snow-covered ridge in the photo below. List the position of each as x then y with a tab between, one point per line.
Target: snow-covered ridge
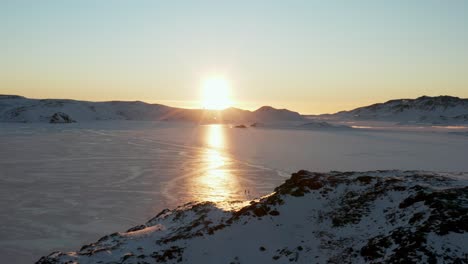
425	109
20	109
335	217
323	125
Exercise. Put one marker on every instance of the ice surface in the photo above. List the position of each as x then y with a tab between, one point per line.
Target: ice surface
65	185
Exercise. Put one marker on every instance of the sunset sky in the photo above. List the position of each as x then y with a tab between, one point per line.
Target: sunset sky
308	56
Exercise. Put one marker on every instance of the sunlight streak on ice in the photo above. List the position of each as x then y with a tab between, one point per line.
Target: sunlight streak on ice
216	183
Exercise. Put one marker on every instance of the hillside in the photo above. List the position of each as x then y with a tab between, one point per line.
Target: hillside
425	109
336	217
440	110
20	109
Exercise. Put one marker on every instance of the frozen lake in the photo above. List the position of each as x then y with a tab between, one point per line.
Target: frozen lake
63	186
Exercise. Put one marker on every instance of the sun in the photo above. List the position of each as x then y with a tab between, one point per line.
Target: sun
216	94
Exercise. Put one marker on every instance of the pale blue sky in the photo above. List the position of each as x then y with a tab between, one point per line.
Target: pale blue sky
311	56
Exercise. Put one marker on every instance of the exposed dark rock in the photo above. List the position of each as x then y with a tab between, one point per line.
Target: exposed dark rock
61	118
172	253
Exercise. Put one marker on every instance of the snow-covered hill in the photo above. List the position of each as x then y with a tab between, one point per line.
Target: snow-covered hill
268	113
321	125
20	109
336	217
441	110
425	109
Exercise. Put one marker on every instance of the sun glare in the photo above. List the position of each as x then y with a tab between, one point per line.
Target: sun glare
216	94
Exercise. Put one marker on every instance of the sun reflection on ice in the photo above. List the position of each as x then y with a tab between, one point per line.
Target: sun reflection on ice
215	137
216	183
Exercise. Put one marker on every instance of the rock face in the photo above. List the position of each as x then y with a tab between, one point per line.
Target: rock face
61	118
336	217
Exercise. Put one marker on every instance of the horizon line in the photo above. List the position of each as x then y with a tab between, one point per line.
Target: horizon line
157	102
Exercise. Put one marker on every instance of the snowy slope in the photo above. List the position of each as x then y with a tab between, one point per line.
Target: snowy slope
321	125
336	217
20	109
425	109
268	113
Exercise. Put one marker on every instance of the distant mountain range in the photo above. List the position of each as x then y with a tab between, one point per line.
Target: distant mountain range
423	110
20	109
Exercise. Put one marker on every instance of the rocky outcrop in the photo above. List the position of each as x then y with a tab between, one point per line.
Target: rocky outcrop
335	217
59	118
